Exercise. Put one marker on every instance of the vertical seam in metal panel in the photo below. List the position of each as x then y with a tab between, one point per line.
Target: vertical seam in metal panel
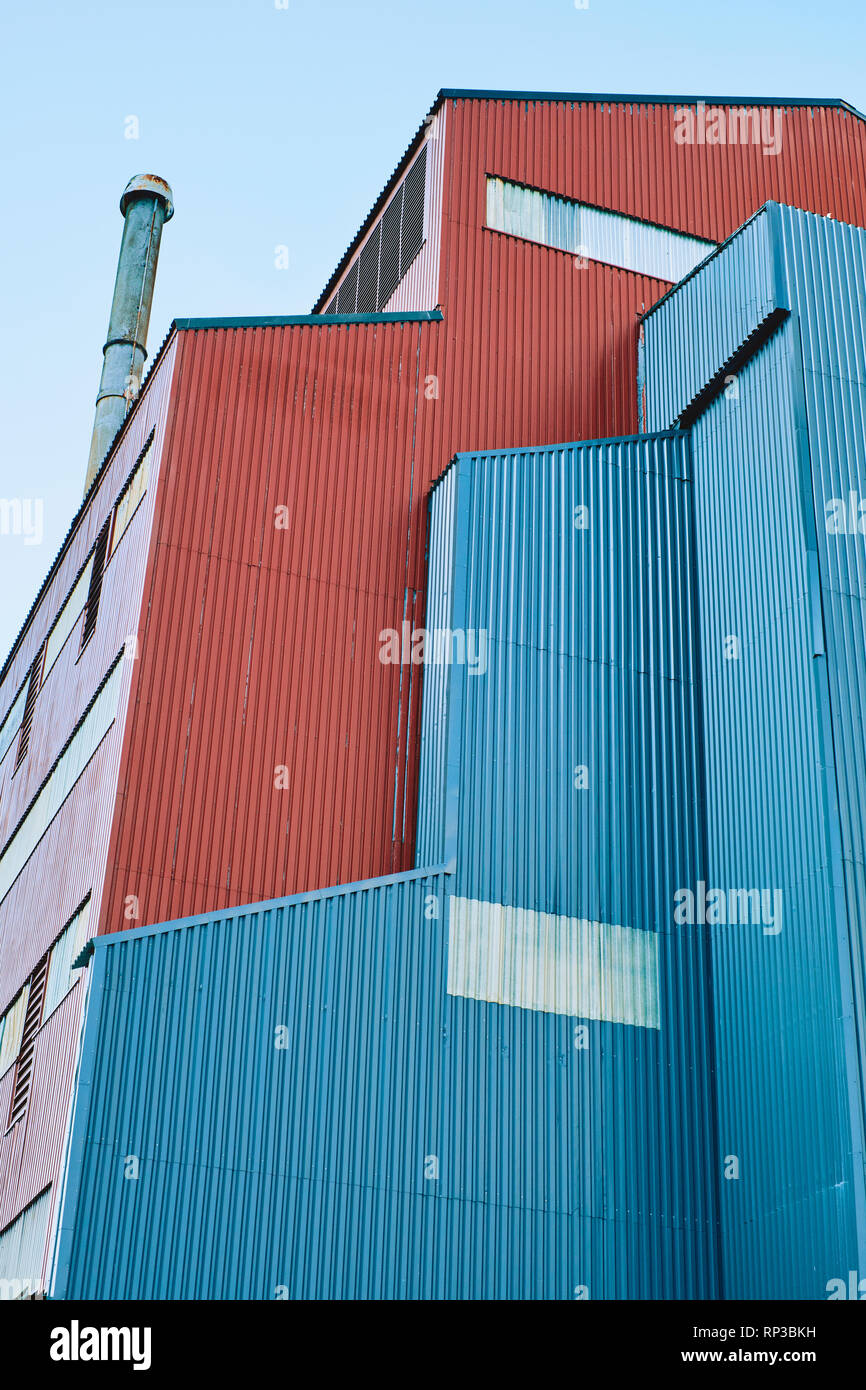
703	853
456	684
407	756
841	906
147	580
83	1092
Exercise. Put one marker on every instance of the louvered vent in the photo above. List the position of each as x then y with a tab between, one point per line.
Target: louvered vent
32	1020
412	231
368	274
389	263
389	250
348	292
30	706
95	589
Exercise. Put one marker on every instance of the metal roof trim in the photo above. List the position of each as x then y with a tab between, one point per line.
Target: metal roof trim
84	955
471	456
597	98
266	905
310	320
717	251
640	99
759	333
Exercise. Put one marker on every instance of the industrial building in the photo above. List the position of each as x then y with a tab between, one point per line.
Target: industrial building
432	863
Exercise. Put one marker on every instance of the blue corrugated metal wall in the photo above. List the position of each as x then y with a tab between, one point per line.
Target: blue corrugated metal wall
404	1143
661	689
690	335
784	673
561	1160
576	564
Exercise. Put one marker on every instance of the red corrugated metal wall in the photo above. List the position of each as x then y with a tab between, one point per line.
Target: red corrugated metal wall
625	157
547	352
261	645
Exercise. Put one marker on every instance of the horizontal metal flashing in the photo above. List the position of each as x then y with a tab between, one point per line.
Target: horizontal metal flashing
640	98
198	919
311	320
472	455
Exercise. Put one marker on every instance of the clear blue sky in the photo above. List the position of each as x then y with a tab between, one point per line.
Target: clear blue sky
279	127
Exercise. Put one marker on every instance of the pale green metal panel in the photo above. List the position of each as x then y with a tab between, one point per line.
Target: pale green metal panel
592	233
22	1250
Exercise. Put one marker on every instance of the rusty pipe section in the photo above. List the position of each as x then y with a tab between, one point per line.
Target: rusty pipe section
146	204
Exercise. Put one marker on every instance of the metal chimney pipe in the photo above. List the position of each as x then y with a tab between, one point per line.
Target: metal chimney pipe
146	204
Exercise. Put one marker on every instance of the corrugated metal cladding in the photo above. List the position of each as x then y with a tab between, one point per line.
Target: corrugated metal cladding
573	375
347	425
570	146
287	539
21	1248
389	1140
412	1138
569	788
701	326
778	460
69	860
289	529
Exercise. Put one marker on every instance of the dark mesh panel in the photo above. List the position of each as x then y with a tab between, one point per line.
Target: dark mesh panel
348	291
368	277
389	263
412	234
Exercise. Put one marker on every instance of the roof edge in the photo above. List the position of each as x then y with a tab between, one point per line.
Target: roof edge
641	98
105	940
310	320
471	456
495	94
